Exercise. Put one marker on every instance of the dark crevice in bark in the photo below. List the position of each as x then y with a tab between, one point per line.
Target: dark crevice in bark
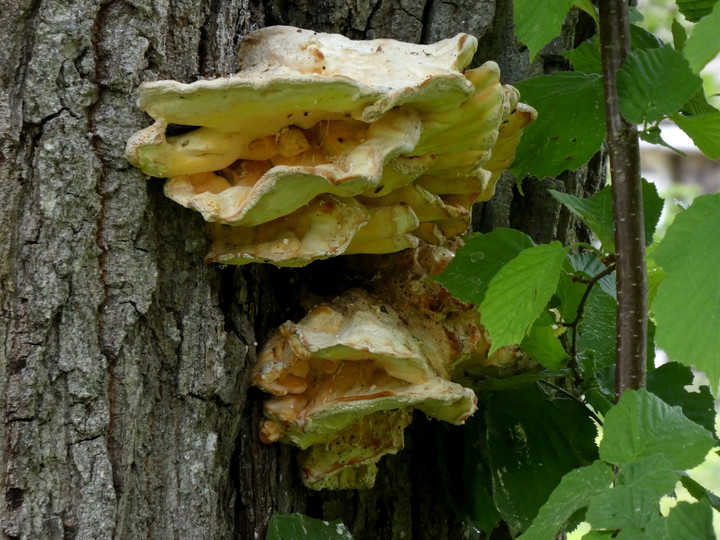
426	16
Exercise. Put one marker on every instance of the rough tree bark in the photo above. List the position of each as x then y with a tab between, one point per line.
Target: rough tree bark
125	363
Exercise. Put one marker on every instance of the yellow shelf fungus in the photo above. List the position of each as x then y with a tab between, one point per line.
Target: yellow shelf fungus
316	119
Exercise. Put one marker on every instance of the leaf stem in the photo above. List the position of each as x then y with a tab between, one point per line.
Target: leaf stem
571	396
623	149
581	310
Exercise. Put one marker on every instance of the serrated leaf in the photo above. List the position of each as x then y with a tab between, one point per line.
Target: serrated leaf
656	275
694	10
699	492
668	382
653	473
589	263
679	35
572	494
586	57
469	273
622	507
519	292
687	303
698	105
570	127
654	83
542	345
534	439
704	130
704	43
300	527
642	425
643	39
691	521
537	23
595	212
596	331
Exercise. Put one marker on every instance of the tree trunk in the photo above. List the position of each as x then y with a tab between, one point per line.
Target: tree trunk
125	368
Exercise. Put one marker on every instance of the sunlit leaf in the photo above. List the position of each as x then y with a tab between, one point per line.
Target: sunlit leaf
519	292
704	130
687	303
468	275
542	345
704	43
537	23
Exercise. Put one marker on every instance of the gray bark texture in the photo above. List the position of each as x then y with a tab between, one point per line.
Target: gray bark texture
124	371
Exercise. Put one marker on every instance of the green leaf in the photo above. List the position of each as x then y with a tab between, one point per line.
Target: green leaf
698	105
694	10
687	303
704	43
596	331
534	439
589	263
655	83
300	527
699	492
571	122
519	292
653	473
598	535
596	212
642	39
641	425
516	381
588	7
704	130
653	135
468	275
537	23
691	521
668	382
542	345
586	57
572	494
622	507
679	35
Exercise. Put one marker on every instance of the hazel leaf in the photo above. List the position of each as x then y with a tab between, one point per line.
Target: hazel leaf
704	43
687	304
654	83
570	127
537	23
642	425
519	292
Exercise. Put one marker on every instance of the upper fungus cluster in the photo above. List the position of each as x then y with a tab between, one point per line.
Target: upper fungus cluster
324	146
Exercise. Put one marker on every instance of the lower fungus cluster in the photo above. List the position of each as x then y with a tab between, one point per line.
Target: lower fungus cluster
323	146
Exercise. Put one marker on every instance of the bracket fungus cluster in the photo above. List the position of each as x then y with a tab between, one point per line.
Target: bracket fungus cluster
345	379
324	146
